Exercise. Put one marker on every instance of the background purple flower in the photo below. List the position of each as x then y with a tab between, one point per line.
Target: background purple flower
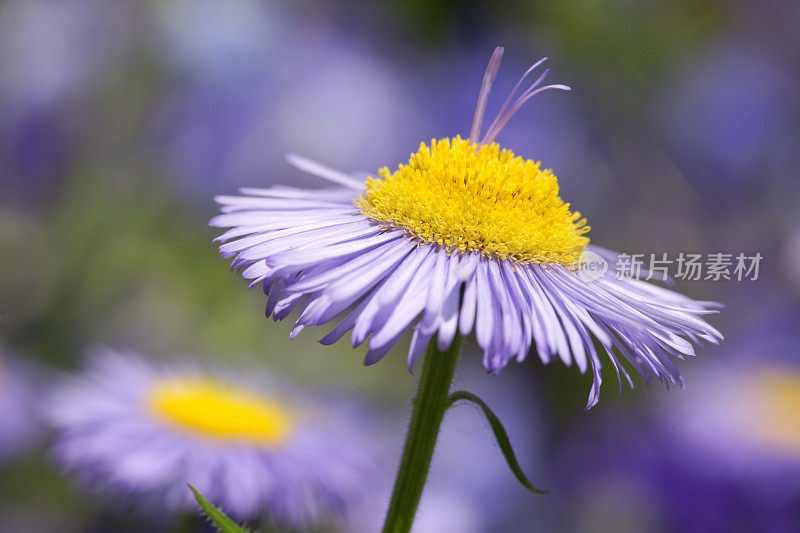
19	423
111	437
53	53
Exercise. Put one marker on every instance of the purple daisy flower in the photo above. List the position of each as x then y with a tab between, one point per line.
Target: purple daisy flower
467	237
143	432
743	425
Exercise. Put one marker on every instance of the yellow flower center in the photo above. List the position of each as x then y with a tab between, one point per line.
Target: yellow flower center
778	422
215	410
477	199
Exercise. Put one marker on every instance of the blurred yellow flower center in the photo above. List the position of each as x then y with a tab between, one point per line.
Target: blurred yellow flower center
478	199
216	410
779	414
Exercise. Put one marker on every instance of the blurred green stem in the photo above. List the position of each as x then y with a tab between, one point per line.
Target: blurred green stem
423	430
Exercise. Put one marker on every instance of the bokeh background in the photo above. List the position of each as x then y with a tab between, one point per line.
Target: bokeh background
120	120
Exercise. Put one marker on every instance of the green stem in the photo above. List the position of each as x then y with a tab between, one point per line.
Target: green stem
423	430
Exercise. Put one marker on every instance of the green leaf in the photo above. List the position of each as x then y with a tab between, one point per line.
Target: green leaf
499	433
223	523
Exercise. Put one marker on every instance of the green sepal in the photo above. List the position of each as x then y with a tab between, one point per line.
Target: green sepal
220	519
499	433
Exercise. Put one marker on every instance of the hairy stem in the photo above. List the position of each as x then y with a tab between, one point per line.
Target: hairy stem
423	431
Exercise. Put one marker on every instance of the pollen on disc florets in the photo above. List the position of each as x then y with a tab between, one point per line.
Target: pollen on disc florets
478	199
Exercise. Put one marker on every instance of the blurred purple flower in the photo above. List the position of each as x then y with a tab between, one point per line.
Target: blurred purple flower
743	424
627	475
202	128
33	149
724	456
211	41
51	52
143	431
318	90
19	424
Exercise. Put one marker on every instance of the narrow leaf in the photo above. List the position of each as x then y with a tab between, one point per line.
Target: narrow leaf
499	433
223	523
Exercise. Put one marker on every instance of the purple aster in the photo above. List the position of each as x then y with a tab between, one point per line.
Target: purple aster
721	457
637	475
51	55
744	424
466	237
143	431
